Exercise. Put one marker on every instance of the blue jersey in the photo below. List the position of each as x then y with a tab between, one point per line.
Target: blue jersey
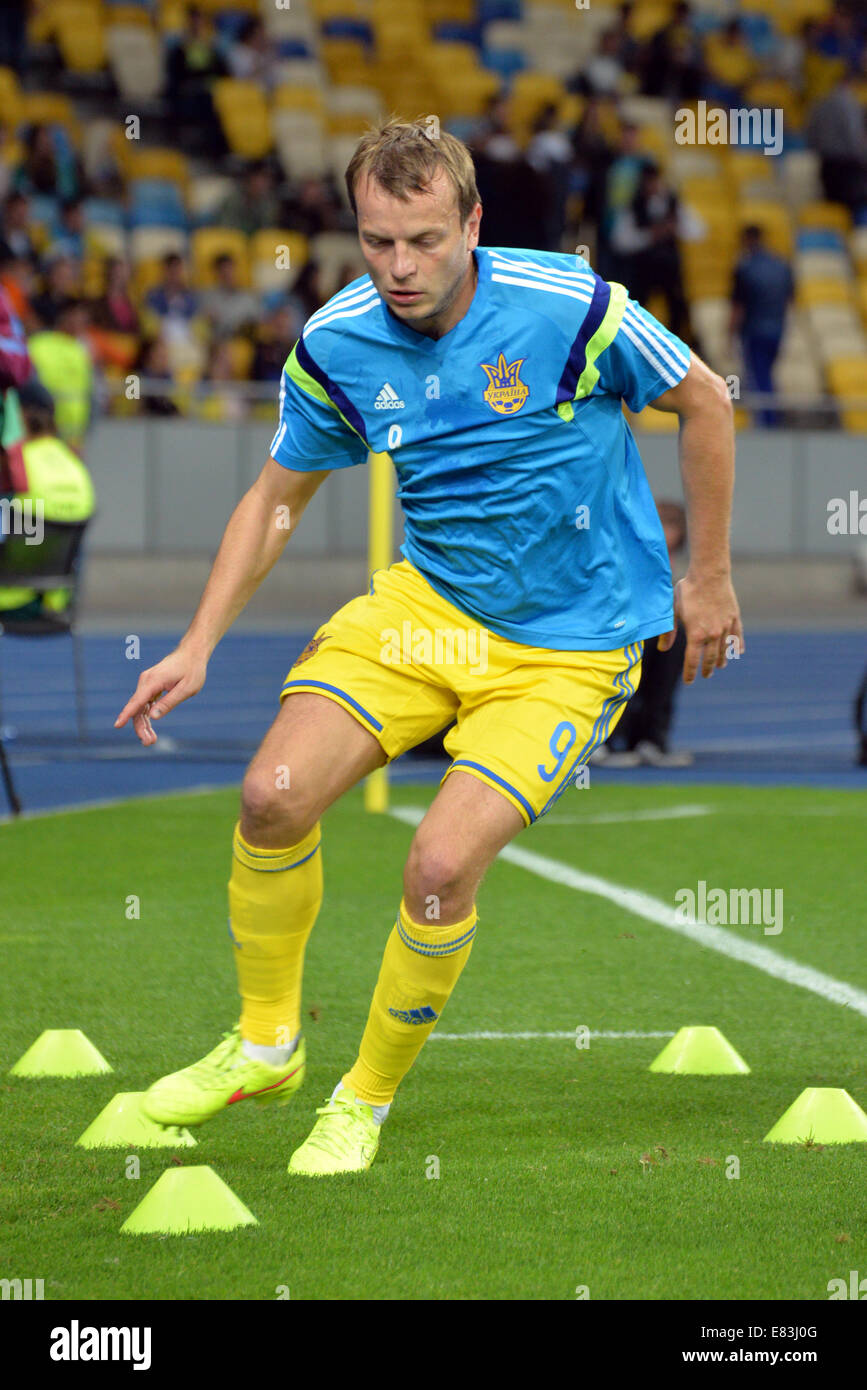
524	497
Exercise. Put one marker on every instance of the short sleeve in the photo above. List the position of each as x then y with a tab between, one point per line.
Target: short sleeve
311	434
643	360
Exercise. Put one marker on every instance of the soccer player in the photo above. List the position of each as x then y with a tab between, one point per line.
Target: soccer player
534	569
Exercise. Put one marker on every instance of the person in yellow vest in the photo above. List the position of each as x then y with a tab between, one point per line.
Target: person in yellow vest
64	365
58	479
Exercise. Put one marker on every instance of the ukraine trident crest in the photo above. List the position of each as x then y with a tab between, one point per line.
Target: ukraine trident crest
505	392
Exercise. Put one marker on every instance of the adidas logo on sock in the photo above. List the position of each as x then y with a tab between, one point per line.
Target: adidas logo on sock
388	399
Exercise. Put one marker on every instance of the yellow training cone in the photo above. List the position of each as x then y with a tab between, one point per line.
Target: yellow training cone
700	1052
61	1052
188	1199
822	1115
122	1124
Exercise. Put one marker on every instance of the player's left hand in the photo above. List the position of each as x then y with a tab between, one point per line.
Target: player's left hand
709	612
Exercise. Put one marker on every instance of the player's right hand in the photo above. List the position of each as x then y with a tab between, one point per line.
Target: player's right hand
176	678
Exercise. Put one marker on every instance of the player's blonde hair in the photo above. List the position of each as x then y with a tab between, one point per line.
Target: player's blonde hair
403	157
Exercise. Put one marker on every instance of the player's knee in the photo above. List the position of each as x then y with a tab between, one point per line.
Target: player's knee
433	869
269	802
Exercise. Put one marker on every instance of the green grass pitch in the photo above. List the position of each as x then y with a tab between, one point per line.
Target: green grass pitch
558	1167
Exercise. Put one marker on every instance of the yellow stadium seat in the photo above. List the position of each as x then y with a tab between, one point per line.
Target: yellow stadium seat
451	57
824	291
775	222
241	356
704	192
346	61
847	380
9	96
158	164
861	293
298	99
208	242
80	35
645	20
145	276
467	94
832	216
130	14
345	123
243	112
47	108
272	267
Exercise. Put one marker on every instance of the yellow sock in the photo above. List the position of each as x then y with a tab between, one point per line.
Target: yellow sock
274	899
420	968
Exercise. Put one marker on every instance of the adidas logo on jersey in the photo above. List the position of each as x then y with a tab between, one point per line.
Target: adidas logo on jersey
388	399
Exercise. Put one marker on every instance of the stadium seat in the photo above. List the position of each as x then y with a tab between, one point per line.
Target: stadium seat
208	242
858	242
825	291
266	274
825	217
151	243
156	203
356	101
800	174
158	163
47	108
80	37
301	72
136	60
847	379
775	222
206	195
243	113
822	265
333	251
299	99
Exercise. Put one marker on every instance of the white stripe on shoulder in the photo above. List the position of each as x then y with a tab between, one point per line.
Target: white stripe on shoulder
648	354
543	285
311	326
530	268
343	301
652	333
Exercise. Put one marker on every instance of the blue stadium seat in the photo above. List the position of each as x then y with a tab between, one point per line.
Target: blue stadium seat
156	203
498	9
348	29
450	31
104	212
820	239
504	61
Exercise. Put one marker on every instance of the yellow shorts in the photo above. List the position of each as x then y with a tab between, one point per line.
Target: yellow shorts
406	663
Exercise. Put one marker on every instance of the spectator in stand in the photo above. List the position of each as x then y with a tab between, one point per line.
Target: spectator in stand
16	368
278	336
730	64
603	74
48	167
592	158
622	179
172	298
153	368
194	63
18	280
307	295
15	227
253	57
837	130
228	308
61	284
645	236
312	208
761	294
221	400
254	203
70	238
492	137
64	365
550	154
671	65
57	478
628	49
114	311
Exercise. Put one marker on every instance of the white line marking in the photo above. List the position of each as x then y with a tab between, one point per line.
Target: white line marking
615	817
654	910
112	801
503	1037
